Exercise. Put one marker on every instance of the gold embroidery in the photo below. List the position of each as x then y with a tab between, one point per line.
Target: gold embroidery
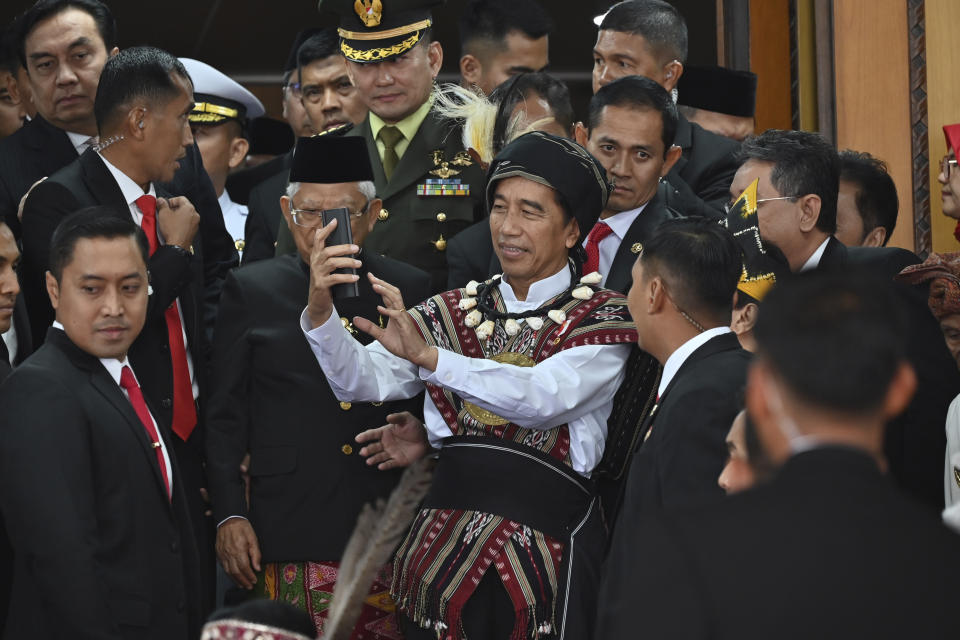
373	55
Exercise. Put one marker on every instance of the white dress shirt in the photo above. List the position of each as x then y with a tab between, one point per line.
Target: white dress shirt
574	386
619	223
814	261
80	141
234	217
678	357
131	191
10	340
115	367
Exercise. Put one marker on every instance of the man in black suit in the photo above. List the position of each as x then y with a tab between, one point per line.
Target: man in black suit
326	94
681	301
308	481
64	44
92	496
145	131
798	175
649	38
819	551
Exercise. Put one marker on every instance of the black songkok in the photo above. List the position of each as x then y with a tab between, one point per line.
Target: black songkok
558	163
331	158
719	89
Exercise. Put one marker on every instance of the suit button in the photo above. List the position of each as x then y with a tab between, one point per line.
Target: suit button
345	406
174	547
347	449
441	217
440	244
383	215
166	403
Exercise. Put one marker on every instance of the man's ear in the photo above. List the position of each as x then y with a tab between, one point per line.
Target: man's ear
135	123
373	213
875	238
581	134
656	295
809	211
573	234
113	52
434	58
239	148
671	74
673	154
470	70
53	290
900	391
772	439
744	318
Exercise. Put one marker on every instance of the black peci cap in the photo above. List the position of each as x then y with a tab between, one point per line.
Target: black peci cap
727	91
331	158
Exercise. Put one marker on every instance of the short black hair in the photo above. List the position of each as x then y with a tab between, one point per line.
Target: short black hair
320	45
876	198
135	73
835	339
657	22
9	60
43	9
100	221
803	163
273	613
700	262
637	92
493	20
516	89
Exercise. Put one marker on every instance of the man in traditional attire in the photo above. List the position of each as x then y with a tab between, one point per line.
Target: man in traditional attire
308	481
521	371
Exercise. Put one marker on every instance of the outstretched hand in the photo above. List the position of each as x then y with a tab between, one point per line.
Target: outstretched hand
401	337
397	444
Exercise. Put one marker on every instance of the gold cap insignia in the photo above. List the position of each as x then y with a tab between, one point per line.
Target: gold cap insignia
369	11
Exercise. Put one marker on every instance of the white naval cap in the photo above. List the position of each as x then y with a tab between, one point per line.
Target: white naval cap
219	97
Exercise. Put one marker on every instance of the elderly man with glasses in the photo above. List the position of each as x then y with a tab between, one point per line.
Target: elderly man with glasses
270	398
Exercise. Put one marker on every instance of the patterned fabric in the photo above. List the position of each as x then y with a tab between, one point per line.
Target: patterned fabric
447	551
943	269
309	586
245	630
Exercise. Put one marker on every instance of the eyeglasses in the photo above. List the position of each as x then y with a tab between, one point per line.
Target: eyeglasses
727	208
293	88
946	166
313	217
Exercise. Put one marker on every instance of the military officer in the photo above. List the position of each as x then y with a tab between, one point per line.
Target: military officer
219	121
429	184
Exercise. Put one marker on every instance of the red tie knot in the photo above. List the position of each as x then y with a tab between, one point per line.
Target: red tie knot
600	231
127	381
148	205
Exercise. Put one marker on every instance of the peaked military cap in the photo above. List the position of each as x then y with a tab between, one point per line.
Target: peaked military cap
218	97
375	30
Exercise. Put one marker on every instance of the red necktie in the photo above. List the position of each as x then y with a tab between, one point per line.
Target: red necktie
184	409
600	231
129	384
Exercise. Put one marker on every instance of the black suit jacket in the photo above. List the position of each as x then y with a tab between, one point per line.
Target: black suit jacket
39	149
683	448
100	550
470	254
264	216
916	440
828	549
308	481
703	174
174	274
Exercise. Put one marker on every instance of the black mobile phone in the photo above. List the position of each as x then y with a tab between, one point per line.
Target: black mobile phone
341	235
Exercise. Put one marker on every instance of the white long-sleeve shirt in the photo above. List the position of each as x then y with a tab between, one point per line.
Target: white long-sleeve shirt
574	386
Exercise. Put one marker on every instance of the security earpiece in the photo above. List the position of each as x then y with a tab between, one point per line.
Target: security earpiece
141	124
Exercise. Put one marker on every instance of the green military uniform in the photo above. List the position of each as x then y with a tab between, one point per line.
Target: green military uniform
435	188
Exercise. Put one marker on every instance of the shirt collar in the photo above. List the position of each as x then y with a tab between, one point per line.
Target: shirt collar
79	141
113	366
620	222
814	261
130	189
678	357
408	126
227	204
541	290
